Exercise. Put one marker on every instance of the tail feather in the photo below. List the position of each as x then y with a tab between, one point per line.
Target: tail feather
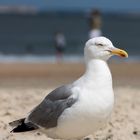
21	126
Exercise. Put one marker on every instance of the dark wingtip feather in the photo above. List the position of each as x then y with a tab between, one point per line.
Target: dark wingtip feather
20	126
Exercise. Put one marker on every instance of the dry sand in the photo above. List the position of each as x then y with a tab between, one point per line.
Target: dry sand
22	86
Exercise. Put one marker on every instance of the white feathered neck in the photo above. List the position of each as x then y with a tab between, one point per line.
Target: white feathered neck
97	74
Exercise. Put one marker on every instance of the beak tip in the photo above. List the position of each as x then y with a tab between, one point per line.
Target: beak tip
120	52
124	55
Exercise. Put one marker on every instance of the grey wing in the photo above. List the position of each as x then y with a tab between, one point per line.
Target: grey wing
47	112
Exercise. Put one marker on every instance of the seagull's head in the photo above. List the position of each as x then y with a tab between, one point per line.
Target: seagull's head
102	48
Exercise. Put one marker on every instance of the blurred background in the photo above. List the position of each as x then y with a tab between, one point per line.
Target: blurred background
30	26
41	48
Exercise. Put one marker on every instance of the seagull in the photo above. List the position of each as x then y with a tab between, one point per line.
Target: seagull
79	109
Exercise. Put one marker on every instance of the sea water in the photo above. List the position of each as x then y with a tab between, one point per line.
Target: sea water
31	37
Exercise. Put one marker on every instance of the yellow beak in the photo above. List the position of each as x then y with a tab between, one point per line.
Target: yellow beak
119	52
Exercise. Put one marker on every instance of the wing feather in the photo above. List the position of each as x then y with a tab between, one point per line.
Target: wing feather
48	111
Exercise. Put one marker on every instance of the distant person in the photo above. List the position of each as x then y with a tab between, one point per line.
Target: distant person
95	23
60	44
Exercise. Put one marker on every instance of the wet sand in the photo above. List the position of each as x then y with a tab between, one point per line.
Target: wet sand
22	86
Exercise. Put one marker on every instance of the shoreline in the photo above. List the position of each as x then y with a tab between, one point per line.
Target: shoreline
67	58
42	69
54	74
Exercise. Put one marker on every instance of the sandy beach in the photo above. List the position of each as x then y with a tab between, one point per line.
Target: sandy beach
24	85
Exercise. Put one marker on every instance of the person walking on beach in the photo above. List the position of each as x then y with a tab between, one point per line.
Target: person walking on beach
60	44
95	23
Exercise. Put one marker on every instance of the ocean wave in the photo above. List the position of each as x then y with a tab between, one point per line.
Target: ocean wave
53	59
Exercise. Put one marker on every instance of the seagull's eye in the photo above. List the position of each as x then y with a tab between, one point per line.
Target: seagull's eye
99	44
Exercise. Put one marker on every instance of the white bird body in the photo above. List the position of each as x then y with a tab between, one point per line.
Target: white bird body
91	112
82	107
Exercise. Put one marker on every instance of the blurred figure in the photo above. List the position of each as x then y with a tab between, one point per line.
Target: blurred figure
60	44
95	23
